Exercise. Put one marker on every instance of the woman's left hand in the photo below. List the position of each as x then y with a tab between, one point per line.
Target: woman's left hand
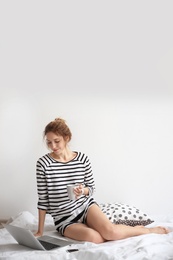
79	190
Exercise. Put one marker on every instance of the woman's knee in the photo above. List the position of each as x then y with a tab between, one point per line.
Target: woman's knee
94	237
109	232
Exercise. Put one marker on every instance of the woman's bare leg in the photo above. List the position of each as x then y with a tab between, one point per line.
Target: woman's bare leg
82	232
98	221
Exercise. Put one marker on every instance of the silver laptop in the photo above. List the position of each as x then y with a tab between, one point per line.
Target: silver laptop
26	238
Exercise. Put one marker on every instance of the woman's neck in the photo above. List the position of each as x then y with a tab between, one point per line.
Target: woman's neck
65	156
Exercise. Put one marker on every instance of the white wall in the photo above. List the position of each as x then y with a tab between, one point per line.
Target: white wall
104	66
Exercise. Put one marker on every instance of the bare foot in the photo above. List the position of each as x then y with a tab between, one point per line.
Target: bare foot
158	230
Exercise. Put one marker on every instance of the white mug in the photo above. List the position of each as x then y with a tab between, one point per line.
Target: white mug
70	191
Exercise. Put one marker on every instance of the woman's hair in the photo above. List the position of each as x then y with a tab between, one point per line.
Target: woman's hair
58	127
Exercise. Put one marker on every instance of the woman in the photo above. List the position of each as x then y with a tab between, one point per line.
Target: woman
79	219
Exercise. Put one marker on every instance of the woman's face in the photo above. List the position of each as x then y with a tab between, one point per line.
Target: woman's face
56	143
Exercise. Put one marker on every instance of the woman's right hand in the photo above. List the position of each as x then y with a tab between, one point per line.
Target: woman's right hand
38	234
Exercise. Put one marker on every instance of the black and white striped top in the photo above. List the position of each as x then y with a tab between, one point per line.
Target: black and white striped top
52	180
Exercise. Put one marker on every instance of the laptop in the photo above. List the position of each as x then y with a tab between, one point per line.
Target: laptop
26	238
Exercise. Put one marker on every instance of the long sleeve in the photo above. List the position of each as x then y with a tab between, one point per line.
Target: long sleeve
43	202
89	180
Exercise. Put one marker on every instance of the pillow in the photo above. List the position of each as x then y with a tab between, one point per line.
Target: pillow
124	214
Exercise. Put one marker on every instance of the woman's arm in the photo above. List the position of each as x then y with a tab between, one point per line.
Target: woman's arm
89	187
41	220
43	202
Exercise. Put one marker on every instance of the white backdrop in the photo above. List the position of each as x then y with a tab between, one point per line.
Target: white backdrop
104	66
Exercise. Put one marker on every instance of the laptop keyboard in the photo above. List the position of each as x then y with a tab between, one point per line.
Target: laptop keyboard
48	245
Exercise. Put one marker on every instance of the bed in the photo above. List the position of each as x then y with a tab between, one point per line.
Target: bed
151	246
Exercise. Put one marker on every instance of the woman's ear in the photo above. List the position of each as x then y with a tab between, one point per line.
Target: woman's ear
67	139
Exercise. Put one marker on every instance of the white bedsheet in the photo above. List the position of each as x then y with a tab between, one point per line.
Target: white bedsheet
151	246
